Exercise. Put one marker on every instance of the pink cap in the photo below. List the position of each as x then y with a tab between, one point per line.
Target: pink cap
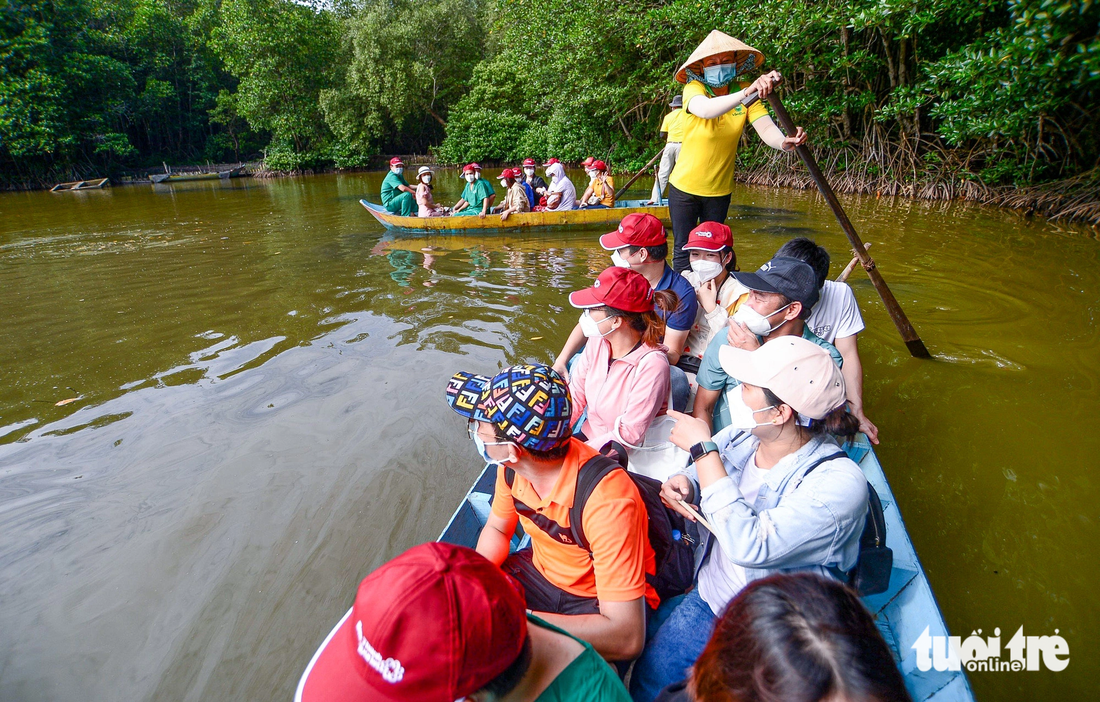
797	371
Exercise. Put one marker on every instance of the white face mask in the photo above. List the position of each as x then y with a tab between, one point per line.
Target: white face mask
741	415
755	322
529	172
503	184
398	170
591	327
427	177
707	270
618	260
470	177
477	176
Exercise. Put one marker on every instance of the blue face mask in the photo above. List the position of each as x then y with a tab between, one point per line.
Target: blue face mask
481	446
720	75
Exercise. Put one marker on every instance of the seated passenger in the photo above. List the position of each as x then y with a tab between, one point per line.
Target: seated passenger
793	637
713	260
517	173
397	194
621	377
836	319
561	195
782	292
424	199
477	197
538	185
515	197
520	421
641	243
601	191
780	496
440	607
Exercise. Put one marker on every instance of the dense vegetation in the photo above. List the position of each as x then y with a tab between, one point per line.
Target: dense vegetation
997	91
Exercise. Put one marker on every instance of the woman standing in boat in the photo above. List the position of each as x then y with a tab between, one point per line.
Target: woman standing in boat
701	183
779	496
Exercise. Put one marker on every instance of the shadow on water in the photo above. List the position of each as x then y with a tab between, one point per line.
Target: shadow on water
221	406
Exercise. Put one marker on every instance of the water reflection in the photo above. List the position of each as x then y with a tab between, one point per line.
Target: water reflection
258	419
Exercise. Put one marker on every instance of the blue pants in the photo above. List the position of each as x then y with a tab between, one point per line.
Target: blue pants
681	388
673	647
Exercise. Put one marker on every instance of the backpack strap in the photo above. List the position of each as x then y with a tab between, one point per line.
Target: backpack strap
815	464
589	476
509	476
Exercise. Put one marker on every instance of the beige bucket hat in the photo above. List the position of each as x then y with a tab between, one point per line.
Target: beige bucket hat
745	57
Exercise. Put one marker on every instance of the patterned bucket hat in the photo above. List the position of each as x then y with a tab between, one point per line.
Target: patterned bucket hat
530	404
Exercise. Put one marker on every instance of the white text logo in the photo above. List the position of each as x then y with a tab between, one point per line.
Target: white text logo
390	669
978	654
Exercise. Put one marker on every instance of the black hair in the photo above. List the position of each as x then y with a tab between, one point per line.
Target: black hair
656	253
796	637
731	267
840	422
807	251
554	454
507	681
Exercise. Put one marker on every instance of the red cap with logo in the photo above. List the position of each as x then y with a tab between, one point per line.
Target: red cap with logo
434	624
506	173
638	229
588	162
599	165
470	168
551	162
395	161
529	162
709	236
517	172
621	288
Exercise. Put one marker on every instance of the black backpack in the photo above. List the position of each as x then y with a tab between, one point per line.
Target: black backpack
871	574
673	547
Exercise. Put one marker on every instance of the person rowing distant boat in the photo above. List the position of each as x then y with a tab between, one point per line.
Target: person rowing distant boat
701	183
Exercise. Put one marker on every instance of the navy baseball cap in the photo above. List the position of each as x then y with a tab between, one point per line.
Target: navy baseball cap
530	404
789	277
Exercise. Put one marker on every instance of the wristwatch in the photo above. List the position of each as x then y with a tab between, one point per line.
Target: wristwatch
701	449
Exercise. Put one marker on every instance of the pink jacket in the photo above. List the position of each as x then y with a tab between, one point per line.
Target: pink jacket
631	392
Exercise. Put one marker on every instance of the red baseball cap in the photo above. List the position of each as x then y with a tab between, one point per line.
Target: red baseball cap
551	162
621	288
470	167
529	162
434	624
709	236
395	161
639	229
507	173
599	165
517	172
588	161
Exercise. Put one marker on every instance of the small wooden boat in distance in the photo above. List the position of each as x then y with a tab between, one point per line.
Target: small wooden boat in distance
902	613
206	175
95	184
524	221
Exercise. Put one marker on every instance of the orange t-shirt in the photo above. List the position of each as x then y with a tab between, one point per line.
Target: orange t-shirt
621	555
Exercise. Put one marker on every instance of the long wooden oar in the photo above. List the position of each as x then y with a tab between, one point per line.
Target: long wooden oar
843	277
639	174
905	327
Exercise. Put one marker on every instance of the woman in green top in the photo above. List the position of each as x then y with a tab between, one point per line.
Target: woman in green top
397	195
712	121
477	196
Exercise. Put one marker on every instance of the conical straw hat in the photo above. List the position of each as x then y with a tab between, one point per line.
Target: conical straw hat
745	58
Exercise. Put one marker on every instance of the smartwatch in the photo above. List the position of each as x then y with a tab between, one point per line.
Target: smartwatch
701	449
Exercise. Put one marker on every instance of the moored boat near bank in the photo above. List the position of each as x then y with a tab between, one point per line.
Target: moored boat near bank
523	221
902	612
94	184
209	175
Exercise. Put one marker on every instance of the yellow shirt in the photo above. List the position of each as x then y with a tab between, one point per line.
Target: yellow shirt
709	151
674	125
606	195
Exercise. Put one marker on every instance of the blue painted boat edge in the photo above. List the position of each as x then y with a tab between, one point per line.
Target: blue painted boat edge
374	210
908	604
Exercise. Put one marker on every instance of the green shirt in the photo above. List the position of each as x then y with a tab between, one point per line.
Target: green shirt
712	377
587	678
389	186
476	192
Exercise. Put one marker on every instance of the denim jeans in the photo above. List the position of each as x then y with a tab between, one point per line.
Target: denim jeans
681	388
673	647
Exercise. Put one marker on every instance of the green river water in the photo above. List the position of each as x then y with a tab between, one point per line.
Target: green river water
259	420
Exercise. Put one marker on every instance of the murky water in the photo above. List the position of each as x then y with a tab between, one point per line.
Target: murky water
221	405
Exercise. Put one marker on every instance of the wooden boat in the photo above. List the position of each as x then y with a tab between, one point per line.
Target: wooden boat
901	613
81	185
524	221
182	177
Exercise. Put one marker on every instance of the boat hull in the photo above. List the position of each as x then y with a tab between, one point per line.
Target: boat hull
524	221
95	184
901	613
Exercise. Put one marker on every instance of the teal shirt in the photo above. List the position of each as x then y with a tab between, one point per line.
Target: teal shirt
389	186
476	192
712	377
587	678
